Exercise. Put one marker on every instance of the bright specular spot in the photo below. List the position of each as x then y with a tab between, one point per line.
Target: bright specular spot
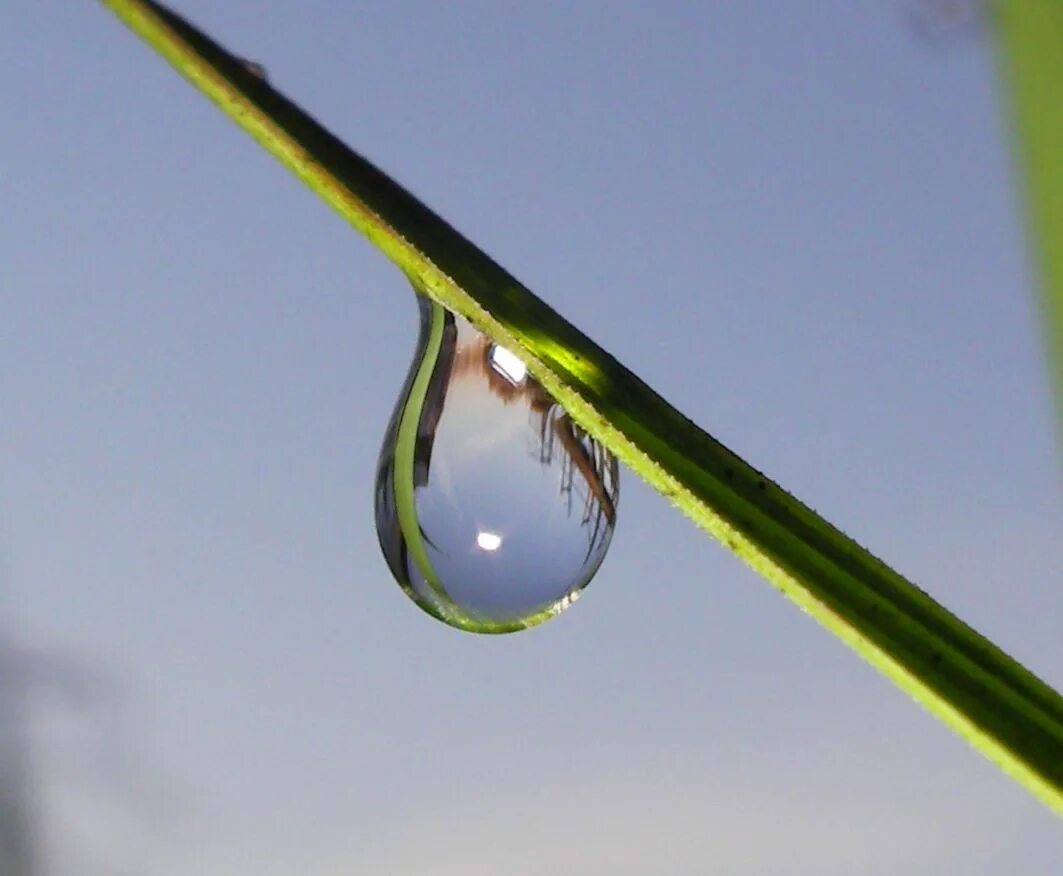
507	364
488	541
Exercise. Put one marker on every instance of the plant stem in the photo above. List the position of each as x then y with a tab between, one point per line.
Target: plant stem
1030	40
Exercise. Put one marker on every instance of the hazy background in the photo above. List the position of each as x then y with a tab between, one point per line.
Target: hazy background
796	221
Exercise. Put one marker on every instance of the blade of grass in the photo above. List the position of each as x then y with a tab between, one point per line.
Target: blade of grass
1030	40
996	704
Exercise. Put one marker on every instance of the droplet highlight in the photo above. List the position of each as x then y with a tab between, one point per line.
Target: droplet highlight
493	508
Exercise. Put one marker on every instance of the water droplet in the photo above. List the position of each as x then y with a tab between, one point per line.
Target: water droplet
255	69
493	508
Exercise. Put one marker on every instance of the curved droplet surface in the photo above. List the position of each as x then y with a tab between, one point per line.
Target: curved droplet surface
493	508
255	69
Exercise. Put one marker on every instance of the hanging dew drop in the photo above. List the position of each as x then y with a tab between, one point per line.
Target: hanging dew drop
493	508
255	69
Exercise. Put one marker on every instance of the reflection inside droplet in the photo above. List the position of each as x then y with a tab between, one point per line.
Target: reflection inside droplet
493	508
507	364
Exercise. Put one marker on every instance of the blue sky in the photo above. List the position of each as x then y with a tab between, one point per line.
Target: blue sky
799	225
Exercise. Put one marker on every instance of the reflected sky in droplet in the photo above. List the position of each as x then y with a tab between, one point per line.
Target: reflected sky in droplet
494	509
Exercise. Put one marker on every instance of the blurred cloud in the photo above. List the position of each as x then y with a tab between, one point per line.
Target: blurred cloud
18	843
937	19
67	679
77	797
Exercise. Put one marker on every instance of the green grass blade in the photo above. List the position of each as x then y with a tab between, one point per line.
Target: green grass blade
1001	708
1030	37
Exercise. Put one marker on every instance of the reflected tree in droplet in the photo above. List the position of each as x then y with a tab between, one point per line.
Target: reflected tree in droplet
493	508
